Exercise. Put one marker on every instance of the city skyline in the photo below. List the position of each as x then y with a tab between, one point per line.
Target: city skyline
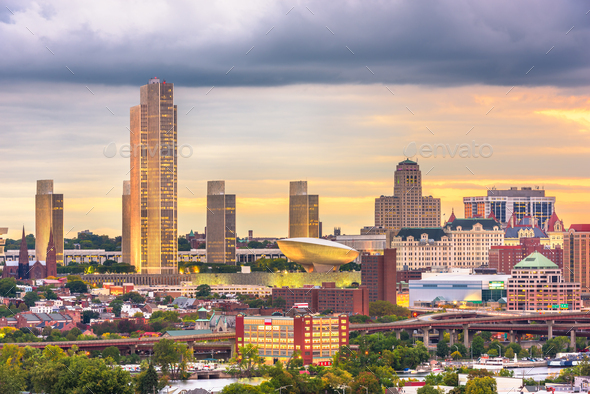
324	114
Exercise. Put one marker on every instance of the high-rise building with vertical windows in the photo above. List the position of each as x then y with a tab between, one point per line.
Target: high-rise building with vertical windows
576	255
221	224
126	221
153	181
303	212
49	219
407	207
514	203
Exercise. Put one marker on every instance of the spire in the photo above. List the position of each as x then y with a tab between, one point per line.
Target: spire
23	258
51	260
492	216
452	217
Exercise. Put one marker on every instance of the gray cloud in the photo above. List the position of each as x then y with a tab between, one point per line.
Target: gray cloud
445	43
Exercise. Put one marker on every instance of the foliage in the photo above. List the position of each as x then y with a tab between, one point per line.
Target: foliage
486	335
279	302
147	381
167	316
554	346
352	266
117	305
246	362
172	357
77	286
30	298
523	353
477	346
442	349
456	355
509	353
88	315
203	290
428	389
8	287
484	385
359	319
367	382
112	352
133	296
385	308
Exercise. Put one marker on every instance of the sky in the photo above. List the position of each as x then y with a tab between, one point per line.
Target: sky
335	93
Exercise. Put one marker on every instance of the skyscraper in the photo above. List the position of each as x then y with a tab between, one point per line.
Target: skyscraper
126	242
221	224
576	255
513	203
49	218
303	212
152	207
407	207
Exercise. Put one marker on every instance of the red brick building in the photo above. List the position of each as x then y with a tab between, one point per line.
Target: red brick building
504	257
408	275
378	273
318	338
576	255
328	297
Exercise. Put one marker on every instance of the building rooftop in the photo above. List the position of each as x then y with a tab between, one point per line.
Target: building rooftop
467	224
435	233
536	260
449	277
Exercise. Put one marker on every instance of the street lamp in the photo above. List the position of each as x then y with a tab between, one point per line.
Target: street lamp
280	389
366	389
500	348
457	347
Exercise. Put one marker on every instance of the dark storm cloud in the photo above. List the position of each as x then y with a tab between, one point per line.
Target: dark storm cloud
444	43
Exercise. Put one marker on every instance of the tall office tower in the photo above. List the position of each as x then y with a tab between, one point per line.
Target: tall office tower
49	218
576	255
129	231
407	207
23	258
513	203
221	224
304	215
153	180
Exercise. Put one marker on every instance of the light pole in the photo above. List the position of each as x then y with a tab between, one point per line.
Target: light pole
366	389
280	389
500	348
457	347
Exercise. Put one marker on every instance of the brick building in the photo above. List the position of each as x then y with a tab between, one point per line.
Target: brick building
378	273
504	257
407	275
576	255
318	338
327	297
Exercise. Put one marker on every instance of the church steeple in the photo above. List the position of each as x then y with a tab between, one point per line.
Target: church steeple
23	258
51	262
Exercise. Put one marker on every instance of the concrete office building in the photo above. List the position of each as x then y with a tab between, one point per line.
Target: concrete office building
153	236
576	255
378	273
526	201
407	207
126	222
221	224
49	219
449	288
304	216
537	284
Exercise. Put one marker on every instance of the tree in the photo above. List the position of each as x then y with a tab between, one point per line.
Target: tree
534	351
22	307
8	287
456	355
380	308
484	385
168	299
133	296
148	381
88	315
246	362
30	298
112	352
50	295
486	335
203	290
279	302
77	286
493	352
240	388
428	389
366	382
442	349
522	354
117	305
509	353
172	357
478	346
12	380
451	379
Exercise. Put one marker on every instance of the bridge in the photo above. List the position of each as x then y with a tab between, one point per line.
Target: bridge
572	323
223	342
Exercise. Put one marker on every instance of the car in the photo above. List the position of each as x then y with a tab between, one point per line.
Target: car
524	359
